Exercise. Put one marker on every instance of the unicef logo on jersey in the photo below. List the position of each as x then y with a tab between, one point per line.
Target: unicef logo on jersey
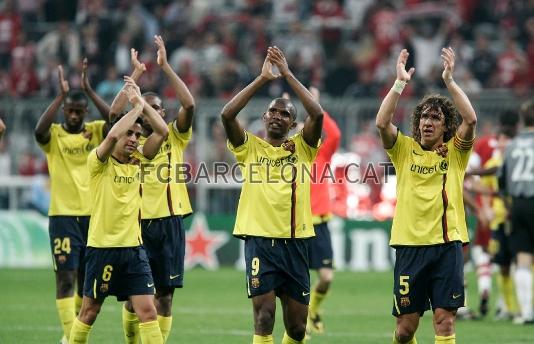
443	165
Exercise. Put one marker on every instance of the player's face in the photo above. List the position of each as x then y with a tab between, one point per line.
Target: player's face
279	119
431	126
156	103
74	113
130	141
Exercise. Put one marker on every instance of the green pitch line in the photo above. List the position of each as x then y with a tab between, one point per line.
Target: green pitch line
214	305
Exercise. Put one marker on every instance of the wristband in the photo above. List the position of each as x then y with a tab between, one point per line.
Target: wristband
398	86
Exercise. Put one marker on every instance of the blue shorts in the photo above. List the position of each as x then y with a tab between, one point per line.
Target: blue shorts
428	275
278	264
321	255
121	271
499	246
68	238
164	242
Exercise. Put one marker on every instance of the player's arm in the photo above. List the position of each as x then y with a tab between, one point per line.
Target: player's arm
120	101
313	124
104	150
102	107
332	133
184	120
159	127
42	129
384	117
466	130
2	129
234	131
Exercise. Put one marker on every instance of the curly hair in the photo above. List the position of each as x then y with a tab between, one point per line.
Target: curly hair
436	102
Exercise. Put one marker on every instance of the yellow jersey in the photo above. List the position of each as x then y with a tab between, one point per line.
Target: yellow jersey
66	155
164	188
497	204
430	207
116	199
275	197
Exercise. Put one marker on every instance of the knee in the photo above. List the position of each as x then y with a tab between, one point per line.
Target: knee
297	332
146	312
164	303
65	287
406	328
88	314
404	333
444	324
264	319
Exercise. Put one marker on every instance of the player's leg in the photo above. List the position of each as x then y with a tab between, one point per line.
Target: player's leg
446	290
83	227
501	255
262	276
145	310
523	282
264	307
443	321
522	243
295	314
410	286
405	328
66	244
130	324
165	245
136	282
321	257
163	302
85	320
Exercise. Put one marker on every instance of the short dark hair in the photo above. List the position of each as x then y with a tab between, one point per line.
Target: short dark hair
292	108
435	102
527	113
117	118
76	96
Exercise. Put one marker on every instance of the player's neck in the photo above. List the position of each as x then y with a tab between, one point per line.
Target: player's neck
121	156
431	146
276	142
73	130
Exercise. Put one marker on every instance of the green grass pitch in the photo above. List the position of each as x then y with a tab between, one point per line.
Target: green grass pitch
213	308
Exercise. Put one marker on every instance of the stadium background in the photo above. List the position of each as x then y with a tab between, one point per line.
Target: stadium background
346	48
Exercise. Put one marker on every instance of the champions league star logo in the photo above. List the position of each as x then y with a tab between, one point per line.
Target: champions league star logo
202	244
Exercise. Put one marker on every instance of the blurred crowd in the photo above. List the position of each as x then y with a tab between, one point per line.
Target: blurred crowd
343	47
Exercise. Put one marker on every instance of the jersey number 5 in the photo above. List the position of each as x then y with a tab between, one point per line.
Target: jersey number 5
404	286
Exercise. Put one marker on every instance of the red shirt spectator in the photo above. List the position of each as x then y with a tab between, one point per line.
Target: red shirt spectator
320	193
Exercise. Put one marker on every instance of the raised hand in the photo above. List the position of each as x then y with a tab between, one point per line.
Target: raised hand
132	91
162	52
63	84
85	79
402	74
276	57
448	57
135	62
267	70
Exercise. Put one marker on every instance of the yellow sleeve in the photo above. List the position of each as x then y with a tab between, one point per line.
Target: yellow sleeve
94	164
397	153
53	137
309	151
181	139
97	127
241	152
462	150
